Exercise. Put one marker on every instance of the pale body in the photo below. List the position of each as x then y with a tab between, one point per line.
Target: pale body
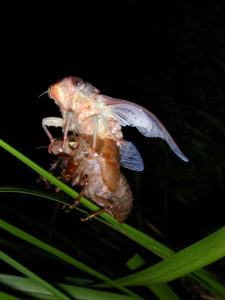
85	111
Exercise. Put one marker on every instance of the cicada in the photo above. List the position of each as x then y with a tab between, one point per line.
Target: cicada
85	111
99	175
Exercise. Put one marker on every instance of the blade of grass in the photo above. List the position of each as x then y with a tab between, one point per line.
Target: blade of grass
32	288
135	262
30	239
164	252
201	276
163	292
16	265
41	171
4	296
33	192
209	283
200	254
143	239
134	234
38	193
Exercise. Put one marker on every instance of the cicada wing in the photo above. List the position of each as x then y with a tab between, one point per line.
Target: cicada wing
131	114
130	158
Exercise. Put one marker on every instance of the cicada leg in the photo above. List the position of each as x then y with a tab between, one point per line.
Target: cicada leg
51	121
77	200
107	207
96	122
106	126
71	125
96	118
94	214
69	120
109	130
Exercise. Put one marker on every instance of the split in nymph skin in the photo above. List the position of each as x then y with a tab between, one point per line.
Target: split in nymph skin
98	176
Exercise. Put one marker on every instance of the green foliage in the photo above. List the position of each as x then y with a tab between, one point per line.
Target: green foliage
175	265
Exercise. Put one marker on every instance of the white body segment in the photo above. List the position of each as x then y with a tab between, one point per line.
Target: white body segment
85	111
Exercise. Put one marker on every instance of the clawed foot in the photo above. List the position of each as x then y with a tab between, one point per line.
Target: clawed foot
68	208
96	213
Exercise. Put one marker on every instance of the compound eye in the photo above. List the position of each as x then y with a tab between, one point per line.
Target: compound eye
76	81
73	145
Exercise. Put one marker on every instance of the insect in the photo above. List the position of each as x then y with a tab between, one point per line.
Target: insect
85	111
99	175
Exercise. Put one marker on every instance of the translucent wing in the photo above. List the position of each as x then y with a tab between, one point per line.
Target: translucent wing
131	114
130	158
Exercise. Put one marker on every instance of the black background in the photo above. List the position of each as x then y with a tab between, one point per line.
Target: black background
168	57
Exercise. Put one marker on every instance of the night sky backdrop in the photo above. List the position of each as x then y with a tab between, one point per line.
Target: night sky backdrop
168	57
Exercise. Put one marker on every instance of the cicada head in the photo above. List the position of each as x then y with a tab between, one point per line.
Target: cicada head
65	90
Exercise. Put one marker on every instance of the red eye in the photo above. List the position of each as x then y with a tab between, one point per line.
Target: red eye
76	81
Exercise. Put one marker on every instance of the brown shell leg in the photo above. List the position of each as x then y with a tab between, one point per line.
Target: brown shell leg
107	207
76	201
94	214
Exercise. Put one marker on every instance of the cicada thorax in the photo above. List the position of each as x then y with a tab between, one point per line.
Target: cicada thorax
83	109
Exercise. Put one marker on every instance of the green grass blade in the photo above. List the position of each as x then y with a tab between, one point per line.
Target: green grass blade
91	294
12	262
135	262
163	292
71	192
33	192
209	283
198	255
132	233
39	193
143	239
34	289
40	170
4	296
30	239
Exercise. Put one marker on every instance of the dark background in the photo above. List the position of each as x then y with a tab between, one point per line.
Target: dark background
168	57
